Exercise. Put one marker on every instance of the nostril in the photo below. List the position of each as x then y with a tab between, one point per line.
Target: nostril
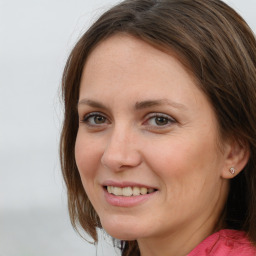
119	156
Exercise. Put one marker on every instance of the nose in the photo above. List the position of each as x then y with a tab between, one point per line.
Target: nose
121	151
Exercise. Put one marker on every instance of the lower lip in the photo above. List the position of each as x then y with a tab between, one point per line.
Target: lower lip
127	201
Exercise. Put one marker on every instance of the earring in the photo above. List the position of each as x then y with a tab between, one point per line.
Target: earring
232	170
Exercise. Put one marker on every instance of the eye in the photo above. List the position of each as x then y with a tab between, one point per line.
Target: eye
95	119
159	120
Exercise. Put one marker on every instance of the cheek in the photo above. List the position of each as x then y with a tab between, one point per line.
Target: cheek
88	159
178	157
185	165
87	156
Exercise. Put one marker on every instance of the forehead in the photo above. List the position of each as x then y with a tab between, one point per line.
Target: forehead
131	61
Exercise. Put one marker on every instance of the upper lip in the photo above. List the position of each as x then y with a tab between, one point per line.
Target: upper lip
126	184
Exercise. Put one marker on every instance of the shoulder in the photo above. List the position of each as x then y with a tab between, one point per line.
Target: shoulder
226	242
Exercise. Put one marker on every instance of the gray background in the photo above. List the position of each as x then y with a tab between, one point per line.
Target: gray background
35	39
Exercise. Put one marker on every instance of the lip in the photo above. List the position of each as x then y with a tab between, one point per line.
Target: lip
126	201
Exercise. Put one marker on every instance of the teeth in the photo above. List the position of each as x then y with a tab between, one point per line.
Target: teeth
109	188
150	190
117	191
136	191
143	191
129	191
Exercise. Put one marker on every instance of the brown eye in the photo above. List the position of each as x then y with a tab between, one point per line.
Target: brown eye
161	121
99	119
95	119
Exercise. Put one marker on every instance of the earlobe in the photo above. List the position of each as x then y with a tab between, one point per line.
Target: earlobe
232	170
237	157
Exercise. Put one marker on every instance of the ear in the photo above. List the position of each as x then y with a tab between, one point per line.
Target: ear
237	155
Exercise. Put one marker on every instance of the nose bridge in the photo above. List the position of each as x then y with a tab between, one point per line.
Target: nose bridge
121	149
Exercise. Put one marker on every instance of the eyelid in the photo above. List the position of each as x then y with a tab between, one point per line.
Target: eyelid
85	118
94	113
159	114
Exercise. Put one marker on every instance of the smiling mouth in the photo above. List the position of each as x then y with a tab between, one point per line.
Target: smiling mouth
129	191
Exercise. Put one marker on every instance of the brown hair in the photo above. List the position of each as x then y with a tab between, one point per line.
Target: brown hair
218	47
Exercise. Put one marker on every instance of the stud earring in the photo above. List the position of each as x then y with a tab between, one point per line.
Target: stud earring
232	170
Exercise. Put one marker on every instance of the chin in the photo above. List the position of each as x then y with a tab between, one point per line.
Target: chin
121	230
122	235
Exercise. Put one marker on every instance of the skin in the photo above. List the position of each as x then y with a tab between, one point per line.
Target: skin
178	154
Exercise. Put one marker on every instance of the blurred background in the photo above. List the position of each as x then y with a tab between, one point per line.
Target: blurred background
36	37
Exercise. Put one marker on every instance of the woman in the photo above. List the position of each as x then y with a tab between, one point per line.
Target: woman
158	146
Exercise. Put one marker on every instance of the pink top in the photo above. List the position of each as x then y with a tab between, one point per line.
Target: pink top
226	242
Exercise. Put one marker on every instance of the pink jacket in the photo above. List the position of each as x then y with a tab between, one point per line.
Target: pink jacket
226	242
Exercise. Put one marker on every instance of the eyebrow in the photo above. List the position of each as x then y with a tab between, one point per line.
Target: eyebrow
91	103
160	102
138	105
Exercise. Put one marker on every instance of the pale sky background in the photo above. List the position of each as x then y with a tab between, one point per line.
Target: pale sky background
36	37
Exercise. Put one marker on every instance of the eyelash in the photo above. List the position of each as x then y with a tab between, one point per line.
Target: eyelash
149	117
93	115
154	116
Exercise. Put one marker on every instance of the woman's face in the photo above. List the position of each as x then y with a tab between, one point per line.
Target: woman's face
146	147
